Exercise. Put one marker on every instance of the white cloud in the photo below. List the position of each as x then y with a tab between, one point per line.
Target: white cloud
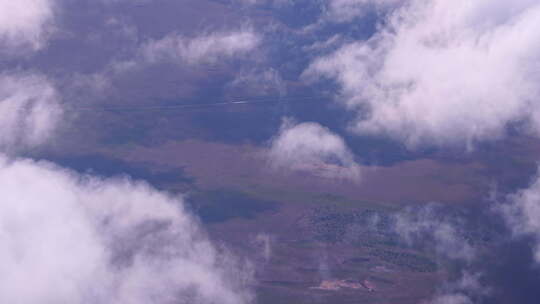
67	238
443	72
207	48
314	148
29	110
25	23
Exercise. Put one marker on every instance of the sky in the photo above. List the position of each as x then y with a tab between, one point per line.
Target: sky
419	74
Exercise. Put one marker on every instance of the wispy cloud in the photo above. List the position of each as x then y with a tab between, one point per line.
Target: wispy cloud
258	82
522	214
427	225
347	10
430	227
29	110
205	48
466	290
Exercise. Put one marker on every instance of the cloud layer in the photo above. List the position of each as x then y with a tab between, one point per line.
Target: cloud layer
443	72
68	238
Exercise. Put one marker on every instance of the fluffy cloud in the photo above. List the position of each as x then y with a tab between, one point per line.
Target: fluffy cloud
314	148
29	110
443	72
67	238
207	48
25	23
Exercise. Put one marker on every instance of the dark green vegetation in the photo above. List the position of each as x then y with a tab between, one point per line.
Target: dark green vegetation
411	261
362	227
370	230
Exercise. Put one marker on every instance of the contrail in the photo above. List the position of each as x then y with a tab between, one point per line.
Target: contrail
193	105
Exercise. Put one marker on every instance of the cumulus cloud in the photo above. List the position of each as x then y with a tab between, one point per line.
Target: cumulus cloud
25	23
313	148
207	48
443	72
69	238
29	110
